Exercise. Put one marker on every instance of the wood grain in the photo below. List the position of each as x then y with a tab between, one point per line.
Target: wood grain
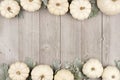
70	38
29	35
47	38
91	38
111	35
8	40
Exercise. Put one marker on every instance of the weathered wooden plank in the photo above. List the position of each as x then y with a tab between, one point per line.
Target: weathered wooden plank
46	37
8	40
111	35
91	38
70	38
29	35
106	40
49	37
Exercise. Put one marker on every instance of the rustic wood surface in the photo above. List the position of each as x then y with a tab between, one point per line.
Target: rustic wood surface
46	38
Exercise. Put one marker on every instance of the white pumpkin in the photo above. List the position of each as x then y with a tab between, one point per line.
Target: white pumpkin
93	68
18	71
80	9
9	8
109	7
31	5
64	75
42	72
58	7
111	73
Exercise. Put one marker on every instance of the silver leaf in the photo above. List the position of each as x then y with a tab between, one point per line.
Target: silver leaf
31	64
3	71
117	64
56	66
45	2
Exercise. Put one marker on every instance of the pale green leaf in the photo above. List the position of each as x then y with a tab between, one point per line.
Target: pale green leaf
45	2
76	68
8	78
18	1
92	1
67	65
77	62
20	15
31	64
117	64
3	72
95	9
56	66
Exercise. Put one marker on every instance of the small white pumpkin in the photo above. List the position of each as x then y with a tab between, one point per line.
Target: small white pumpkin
9	8
109	7
80	9
58	7
93	68
31	5
42	72
111	73
64	75
18	71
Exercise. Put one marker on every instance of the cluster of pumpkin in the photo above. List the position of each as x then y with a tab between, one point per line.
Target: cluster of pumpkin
79	9
92	69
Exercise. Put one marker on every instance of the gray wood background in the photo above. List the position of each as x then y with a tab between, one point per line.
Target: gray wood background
46	38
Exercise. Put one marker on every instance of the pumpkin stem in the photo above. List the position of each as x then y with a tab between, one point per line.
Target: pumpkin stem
114	0
93	69
82	8
113	77
9	9
30	0
57	4
18	73
42	77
